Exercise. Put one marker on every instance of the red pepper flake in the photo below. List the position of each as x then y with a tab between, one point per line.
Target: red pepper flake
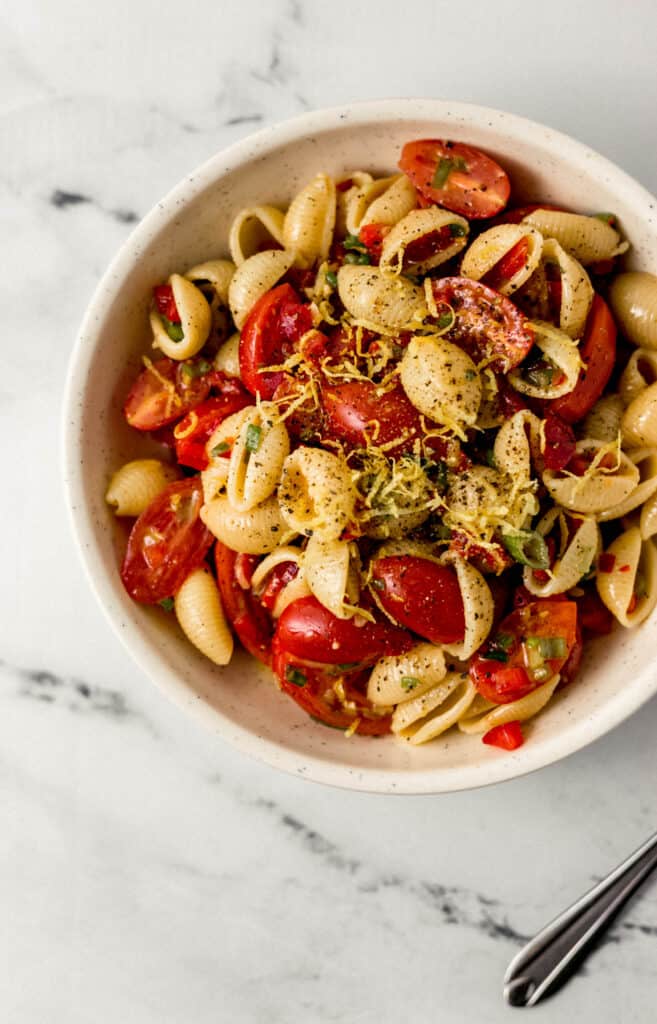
606	562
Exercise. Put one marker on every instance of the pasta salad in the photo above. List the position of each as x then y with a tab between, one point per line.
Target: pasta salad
408	462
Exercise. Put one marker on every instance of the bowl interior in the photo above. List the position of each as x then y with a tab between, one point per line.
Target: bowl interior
191	225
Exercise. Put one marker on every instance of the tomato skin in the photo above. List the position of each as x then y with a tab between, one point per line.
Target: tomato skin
310	696
195	429
503	682
598	351
165	302
487	325
559	443
479	190
246	615
149	405
487	560
372	236
167	542
506	268
421	595
277	320
352	408
506	737
309	631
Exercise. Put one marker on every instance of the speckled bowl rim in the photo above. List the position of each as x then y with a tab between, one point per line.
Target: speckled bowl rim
529	758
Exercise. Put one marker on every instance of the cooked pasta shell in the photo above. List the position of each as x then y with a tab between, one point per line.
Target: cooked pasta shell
490	246
383	201
201	617
413	235
629	589
253	230
292	591
588	239
648	518
217	273
576	554
441	381
255	277
604	420
257	458
645	459
639	373
639	422
596	490
326	566
346	189
425	717
406	676
310	220
136	484
218	448
560	350
195	321
514	442
388	304
483	716
576	288
256	532
228	357
478	607
316	492
633	299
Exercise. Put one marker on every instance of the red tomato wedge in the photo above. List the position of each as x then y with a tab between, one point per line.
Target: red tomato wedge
559	443
246	615
165	302
511	263
506	737
276	321
195	429
166	543
311	687
165	391
307	630
456	176
501	673
421	595
372	236
355	413
598	352
487	325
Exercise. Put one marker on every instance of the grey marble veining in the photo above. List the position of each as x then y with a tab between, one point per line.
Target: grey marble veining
148	873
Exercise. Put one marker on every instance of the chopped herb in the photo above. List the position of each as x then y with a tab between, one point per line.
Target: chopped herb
608	218
541	674
409	683
499	647
444	169
360	258
470	374
490	458
219	449
166	603
253	437
540	375
332	278
440	532
548	646
377	584
294	676
354	242
193	370
174	331
457	230
527	547
445	320
348	665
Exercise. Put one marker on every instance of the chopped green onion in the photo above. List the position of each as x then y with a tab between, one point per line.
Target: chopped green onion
490	458
540	375
348	665
527	547
541	674
219	449
409	683
499	647
193	370
457	230
332	278
253	437
175	331
608	218
359	258
548	646
445	320
354	242
167	603
444	169
470	374
377	584
294	676
441	532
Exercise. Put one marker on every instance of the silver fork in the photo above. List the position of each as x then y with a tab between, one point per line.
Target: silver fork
550	958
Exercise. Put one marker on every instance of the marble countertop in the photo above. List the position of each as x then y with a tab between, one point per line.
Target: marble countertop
150	874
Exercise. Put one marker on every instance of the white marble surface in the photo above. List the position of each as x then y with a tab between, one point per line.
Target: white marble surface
150	875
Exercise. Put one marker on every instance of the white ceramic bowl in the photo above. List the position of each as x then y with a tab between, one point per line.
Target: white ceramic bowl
190	225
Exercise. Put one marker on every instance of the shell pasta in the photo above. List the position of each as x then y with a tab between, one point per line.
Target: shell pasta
400	464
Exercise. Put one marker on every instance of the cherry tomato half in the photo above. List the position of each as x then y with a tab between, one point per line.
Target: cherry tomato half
458	177
598	352
307	630
487	325
165	391
421	595
355	412
276	321
166	543
195	429
312	688
499	671
246	615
